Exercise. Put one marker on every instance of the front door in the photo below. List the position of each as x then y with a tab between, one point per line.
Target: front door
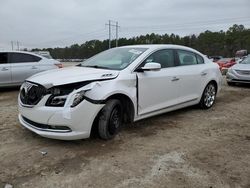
158	89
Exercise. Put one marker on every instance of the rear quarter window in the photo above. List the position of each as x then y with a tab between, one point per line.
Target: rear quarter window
186	58
189	58
200	59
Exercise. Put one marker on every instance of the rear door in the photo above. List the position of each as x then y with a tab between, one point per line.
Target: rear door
23	66
192	74
5	70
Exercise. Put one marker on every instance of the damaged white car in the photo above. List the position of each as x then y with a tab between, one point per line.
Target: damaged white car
119	85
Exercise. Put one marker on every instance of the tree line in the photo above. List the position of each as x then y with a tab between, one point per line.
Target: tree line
224	43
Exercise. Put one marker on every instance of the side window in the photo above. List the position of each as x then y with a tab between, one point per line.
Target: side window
200	59
164	57
3	58
22	58
186	58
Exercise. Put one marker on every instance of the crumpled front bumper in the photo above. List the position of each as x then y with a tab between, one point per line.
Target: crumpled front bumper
64	123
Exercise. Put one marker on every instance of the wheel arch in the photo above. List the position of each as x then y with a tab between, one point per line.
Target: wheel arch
127	104
214	82
129	110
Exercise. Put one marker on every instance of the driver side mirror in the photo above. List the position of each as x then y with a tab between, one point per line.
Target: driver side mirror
152	66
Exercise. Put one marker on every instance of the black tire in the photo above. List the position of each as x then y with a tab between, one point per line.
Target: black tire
110	119
208	96
231	83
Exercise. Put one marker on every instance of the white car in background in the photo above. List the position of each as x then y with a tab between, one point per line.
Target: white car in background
119	85
239	73
16	66
43	53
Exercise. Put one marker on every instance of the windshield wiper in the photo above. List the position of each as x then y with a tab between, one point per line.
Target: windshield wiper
95	66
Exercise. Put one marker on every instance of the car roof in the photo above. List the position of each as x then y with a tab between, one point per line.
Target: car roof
22	52
159	46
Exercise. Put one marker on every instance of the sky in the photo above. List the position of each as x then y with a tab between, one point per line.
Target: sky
59	23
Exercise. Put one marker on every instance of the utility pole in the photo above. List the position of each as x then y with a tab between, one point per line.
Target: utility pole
116	34
110	34
12	45
17	43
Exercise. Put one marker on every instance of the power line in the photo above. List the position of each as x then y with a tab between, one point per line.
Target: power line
222	20
199	24
176	27
87	34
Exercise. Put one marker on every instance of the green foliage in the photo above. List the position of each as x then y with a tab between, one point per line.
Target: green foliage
210	43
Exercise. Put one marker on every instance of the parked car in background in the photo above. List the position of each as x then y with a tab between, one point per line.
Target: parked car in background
239	59
215	58
16	66
44	54
239	73
119	85
226	63
241	53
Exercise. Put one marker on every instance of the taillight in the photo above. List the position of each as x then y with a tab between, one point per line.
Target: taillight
59	65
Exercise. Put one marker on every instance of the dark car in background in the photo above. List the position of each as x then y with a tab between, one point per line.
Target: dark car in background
215	58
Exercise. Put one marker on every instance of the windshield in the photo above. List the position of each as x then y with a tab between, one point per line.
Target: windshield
115	59
246	60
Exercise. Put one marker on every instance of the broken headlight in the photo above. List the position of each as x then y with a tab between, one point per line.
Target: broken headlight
56	100
78	98
58	96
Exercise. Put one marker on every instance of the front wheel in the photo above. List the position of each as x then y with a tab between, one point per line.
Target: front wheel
208	96
110	119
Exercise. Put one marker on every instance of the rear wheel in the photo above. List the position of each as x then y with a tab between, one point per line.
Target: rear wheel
208	96
110	119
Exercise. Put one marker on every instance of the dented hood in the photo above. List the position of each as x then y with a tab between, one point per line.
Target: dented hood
69	75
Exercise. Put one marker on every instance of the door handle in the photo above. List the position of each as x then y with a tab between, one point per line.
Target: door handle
175	79
203	73
5	69
33	67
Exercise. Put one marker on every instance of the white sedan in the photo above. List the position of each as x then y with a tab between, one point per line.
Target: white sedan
119	85
240	72
16	66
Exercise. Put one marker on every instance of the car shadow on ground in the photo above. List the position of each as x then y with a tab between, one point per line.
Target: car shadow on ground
152	125
241	85
146	127
8	89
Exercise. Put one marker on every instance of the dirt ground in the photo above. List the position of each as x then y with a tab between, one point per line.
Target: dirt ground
185	148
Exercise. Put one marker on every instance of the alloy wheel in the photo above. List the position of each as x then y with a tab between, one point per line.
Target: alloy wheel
210	93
